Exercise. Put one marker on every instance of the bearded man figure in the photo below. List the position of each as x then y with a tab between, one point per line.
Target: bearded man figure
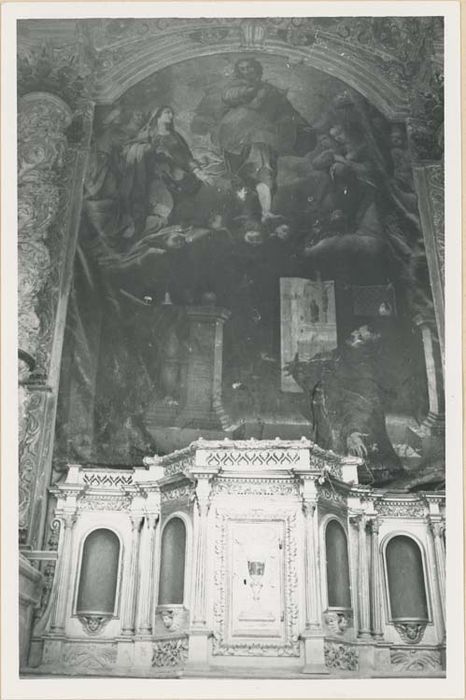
258	126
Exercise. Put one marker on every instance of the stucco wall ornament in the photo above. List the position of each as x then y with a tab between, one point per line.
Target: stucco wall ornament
417	660
337	622
341	656
93	624
90	656
170	652
411	632
64	69
42	121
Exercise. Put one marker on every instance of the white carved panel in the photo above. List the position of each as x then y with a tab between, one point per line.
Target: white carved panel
255	579
259	618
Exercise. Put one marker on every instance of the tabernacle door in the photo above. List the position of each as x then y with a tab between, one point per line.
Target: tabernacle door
256	581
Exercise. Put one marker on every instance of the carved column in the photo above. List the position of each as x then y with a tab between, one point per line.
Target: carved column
312	591
437	528
198	652
359	521
129	609
146	584
313	635
50	176
376	581
62	578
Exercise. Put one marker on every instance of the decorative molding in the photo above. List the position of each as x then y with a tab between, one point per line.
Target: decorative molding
248	647
104	502
177	493
412	509
42	145
29	449
416	660
50	168
93	624
178	466
54	536
411	632
65	70
341	656
330	494
254	459
255	487
107	479
48	574
88	656
170	652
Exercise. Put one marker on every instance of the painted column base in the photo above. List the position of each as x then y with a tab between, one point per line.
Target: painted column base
314	656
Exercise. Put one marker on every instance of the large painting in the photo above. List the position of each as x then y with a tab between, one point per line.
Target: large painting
214	183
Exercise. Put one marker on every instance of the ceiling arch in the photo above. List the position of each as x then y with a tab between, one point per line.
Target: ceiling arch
374	77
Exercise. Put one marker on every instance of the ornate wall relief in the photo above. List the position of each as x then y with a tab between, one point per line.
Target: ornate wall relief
93	624
415	660
93	657
50	170
170	652
341	657
411	632
42	144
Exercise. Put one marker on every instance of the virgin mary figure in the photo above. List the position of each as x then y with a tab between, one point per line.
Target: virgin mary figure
161	170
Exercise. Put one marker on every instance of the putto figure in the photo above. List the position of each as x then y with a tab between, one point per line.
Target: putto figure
258	126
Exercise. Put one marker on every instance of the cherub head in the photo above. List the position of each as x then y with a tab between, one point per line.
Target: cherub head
168	617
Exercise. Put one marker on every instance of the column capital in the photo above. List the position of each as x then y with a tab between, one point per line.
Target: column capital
136	521
202	493
437	527
374	524
357	520
309	507
151	520
69	519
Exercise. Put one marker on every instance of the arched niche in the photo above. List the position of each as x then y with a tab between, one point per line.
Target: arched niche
338	576
98	578
407	591
173	563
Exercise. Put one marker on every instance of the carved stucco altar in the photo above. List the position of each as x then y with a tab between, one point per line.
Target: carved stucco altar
255	567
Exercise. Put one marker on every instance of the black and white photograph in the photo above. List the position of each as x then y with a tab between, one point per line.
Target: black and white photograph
233	444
